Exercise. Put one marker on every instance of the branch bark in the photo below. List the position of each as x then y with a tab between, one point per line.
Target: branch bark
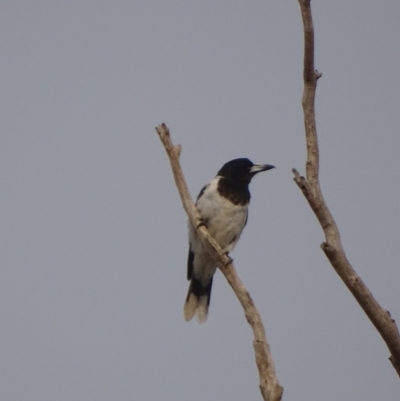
310	187
269	385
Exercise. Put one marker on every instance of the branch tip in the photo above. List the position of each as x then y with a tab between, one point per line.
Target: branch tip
165	128
162	130
297	176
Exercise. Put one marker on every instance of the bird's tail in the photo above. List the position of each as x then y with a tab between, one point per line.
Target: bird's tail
197	300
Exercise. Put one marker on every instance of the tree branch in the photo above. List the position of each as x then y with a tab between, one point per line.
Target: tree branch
310	187
269	385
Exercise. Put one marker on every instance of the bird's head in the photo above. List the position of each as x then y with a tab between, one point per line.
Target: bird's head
242	169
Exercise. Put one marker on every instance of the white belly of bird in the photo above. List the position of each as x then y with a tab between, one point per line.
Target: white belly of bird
224	220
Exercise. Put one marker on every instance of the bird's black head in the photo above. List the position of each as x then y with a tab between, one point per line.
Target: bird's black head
242	170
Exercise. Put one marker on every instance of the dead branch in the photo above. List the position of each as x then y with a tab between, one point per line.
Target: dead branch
310	187
269	385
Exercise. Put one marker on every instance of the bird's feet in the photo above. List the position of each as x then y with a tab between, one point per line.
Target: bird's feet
230	259
201	223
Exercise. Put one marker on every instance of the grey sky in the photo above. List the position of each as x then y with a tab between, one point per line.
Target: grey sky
94	241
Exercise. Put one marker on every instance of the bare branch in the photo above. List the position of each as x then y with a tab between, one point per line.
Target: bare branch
269	385
310	187
310	84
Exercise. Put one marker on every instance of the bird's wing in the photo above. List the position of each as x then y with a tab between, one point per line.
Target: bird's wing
192	236
202	191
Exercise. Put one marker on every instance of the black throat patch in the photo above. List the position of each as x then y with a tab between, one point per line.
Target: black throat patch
235	191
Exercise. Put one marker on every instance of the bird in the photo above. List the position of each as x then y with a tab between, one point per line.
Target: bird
223	206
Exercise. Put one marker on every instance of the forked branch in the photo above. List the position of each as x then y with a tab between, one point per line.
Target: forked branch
310	187
269	385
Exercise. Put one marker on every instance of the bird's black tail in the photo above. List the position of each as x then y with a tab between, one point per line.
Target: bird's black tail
197	300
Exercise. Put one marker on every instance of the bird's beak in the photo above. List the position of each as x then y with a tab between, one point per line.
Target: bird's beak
257	168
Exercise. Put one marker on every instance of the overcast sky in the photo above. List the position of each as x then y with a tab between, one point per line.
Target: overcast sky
93	235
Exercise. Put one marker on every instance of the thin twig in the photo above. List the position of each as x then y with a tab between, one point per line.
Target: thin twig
269	385
310	187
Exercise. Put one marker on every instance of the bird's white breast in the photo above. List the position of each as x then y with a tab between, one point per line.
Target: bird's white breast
225	221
